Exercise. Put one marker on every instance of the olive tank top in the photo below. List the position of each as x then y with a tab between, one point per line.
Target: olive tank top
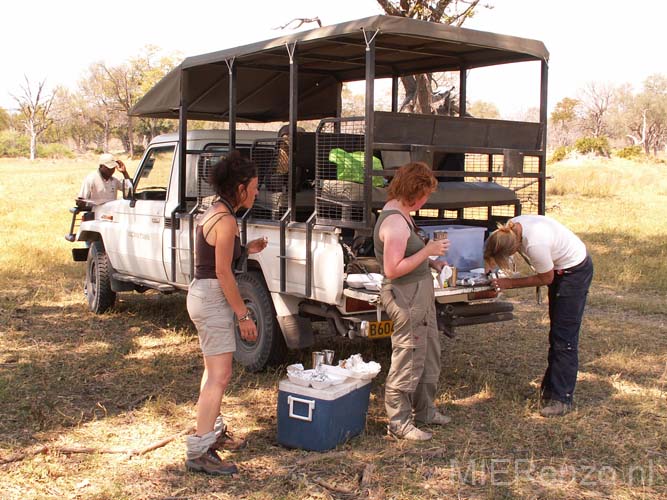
414	245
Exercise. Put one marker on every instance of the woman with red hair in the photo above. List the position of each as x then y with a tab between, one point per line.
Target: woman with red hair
407	297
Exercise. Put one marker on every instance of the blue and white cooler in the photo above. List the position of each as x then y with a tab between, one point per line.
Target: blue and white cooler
320	419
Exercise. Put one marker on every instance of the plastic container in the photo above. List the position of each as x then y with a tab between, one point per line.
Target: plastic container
320	419
466	249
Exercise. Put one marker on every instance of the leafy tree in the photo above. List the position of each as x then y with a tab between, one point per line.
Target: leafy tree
34	111
422	92
483	109
564	121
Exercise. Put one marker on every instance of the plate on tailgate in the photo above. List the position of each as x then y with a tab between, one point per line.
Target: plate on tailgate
380	329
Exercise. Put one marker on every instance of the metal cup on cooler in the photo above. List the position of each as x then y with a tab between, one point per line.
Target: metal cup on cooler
328	356
318	359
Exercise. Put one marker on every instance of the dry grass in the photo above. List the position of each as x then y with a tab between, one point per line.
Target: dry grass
129	378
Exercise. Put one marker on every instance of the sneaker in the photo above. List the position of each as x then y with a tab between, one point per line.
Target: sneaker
210	463
439	419
412	434
227	441
555	408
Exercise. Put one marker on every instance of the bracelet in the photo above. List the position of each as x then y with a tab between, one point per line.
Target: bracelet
245	317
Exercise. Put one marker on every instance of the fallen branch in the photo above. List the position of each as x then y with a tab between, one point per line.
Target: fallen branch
21	456
162	442
331	487
69	450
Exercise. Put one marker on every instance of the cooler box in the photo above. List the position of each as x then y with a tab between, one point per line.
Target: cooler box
466	249
320	419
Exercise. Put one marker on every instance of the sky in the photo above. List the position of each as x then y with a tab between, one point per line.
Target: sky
602	41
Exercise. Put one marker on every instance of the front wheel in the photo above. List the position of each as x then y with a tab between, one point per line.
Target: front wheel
99	294
270	345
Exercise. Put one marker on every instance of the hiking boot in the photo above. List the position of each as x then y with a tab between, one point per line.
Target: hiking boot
438	419
412	434
210	463
227	441
555	408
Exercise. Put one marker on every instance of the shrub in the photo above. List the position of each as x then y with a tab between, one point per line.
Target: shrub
54	150
596	145
630	152
13	144
559	154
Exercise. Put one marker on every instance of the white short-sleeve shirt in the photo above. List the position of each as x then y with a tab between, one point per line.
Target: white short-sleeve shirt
97	190
549	244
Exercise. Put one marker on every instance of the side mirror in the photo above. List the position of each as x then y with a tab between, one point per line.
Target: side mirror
128	191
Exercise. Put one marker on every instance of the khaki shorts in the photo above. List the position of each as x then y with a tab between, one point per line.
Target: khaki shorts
213	317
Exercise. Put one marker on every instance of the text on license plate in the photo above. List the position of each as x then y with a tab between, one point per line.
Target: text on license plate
380	329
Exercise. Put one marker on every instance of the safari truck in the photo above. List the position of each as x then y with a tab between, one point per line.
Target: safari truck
319	208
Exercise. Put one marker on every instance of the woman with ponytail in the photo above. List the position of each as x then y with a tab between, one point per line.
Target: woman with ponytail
215	305
561	262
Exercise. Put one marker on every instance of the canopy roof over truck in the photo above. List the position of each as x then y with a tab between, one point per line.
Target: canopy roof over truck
326	57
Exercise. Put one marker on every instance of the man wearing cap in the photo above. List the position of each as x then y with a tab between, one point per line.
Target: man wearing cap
101	186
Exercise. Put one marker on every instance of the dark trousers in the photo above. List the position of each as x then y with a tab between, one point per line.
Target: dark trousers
567	299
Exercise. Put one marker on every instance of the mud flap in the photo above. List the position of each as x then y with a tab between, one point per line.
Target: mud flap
298	331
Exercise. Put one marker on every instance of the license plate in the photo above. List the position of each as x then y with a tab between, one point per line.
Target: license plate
380	329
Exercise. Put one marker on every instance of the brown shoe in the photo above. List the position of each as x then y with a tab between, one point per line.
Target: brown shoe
227	441
210	463
555	408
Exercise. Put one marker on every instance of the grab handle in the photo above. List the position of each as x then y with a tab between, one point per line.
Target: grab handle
309	402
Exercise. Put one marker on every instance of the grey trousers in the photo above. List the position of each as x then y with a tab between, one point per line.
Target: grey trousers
412	380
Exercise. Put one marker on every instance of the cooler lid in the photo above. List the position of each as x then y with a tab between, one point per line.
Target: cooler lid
328	394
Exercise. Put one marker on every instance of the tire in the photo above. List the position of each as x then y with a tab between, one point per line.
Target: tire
99	294
270	347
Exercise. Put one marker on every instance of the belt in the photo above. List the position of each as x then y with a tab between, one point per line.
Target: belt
570	270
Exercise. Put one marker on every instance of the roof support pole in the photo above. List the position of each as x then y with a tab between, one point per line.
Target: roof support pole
463	90
339	106
232	103
182	161
394	94
541	203
293	118
369	119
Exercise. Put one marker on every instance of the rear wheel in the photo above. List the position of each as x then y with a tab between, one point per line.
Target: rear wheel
270	345
99	294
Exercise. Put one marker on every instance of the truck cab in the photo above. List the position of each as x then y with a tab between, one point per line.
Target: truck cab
320	189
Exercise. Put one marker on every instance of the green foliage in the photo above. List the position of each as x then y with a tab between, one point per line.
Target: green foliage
559	154
14	145
565	111
596	145
630	152
54	150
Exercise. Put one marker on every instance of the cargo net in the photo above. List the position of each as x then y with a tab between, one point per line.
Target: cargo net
339	172
525	188
271	157
205	192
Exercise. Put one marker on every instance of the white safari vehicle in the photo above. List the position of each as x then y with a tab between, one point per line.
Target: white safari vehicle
318	212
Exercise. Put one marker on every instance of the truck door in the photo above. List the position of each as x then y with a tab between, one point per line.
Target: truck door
145	215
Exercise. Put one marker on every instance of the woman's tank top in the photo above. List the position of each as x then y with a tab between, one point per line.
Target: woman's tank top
205	253
414	245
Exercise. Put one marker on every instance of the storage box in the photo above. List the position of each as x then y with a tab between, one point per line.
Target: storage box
320	419
466	249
